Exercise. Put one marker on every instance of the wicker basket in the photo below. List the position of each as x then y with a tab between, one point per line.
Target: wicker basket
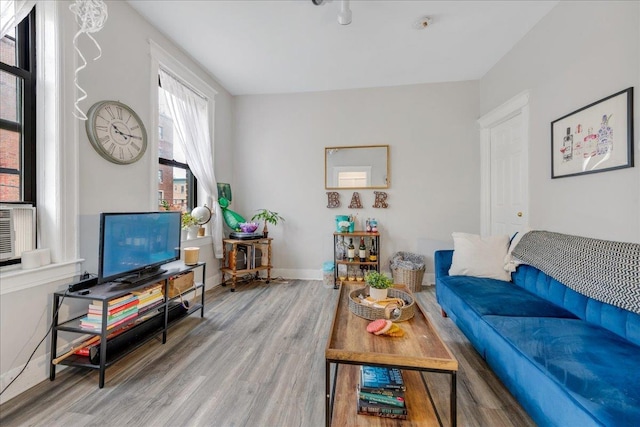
373	313
411	278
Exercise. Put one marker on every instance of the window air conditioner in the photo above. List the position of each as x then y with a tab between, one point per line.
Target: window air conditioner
17	230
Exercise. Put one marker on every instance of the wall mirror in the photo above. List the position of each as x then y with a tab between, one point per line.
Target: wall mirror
356	167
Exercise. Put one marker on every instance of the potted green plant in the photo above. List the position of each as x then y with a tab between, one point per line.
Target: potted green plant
378	285
190	224
269	217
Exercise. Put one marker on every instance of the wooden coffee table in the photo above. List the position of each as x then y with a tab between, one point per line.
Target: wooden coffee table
420	350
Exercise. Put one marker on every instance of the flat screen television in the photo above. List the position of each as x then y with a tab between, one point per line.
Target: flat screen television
133	246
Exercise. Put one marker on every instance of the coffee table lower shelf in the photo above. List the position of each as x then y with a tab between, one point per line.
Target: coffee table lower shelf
341	402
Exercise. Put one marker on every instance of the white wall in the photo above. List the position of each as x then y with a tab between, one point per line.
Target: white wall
579	53
122	73
434	150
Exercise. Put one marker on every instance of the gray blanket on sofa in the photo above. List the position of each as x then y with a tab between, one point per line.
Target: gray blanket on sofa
603	270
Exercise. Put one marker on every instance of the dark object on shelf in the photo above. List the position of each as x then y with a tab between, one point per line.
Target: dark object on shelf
239	235
133	335
242	258
84	281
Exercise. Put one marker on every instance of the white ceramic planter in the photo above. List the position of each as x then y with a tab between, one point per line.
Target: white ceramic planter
192	232
377	294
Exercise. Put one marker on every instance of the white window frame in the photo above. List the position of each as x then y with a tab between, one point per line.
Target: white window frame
57	161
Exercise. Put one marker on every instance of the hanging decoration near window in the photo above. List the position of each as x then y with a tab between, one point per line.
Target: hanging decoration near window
91	16
381	200
334	199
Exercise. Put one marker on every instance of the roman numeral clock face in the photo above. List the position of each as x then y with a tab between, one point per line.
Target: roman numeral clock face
116	132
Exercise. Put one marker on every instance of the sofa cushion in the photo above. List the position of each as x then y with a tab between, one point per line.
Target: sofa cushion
490	296
620	321
597	369
479	256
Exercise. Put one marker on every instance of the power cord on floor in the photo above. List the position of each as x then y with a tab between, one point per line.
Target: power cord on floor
37	346
248	278
278	279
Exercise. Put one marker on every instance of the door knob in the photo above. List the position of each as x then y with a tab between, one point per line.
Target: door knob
519	213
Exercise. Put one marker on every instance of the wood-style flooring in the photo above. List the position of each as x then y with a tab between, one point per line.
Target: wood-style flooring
256	359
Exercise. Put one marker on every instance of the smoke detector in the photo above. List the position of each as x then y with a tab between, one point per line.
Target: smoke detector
422	23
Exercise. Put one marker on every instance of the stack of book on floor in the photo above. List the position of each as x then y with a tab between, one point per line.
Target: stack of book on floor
149	297
381	392
119	311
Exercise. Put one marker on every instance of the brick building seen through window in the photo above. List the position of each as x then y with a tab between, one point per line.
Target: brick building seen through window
9	139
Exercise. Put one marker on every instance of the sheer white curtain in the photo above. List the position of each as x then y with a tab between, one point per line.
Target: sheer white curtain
190	113
12	12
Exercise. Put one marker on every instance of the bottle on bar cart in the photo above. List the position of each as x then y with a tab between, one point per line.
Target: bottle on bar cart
362	250
351	251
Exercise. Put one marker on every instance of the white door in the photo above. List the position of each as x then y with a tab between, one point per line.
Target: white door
504	180
509	180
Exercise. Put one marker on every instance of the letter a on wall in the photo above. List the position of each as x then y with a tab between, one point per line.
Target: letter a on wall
355	201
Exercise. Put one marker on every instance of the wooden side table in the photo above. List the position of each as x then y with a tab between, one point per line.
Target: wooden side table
230	262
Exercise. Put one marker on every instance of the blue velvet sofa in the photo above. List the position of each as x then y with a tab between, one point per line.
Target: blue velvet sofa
568	359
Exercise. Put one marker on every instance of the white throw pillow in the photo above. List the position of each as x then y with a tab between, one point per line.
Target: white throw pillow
479	256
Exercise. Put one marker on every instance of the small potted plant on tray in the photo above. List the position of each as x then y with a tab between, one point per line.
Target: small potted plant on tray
378	285
268	217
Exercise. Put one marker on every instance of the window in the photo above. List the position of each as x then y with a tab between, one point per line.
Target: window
17	113
176	184
18	140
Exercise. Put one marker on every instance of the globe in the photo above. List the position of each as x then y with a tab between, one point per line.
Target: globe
202	214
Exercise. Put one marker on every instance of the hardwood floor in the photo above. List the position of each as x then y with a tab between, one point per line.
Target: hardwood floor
256	359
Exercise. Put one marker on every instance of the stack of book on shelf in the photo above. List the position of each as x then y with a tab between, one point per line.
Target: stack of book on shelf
149	297
119	311
381	392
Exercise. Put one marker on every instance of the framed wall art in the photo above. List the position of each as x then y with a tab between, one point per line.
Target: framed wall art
595	138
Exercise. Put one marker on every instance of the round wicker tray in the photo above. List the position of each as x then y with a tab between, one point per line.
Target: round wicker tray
372	313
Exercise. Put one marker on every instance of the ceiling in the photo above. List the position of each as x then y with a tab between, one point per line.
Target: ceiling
284	46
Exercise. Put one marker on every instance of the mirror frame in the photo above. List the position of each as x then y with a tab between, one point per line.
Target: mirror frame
373	187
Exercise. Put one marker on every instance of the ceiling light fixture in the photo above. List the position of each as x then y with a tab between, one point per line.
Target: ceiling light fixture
344	16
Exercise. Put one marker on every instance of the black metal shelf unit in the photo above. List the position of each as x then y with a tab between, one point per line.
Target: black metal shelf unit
133	334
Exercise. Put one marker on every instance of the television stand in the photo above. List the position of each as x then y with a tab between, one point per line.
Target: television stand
150	322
